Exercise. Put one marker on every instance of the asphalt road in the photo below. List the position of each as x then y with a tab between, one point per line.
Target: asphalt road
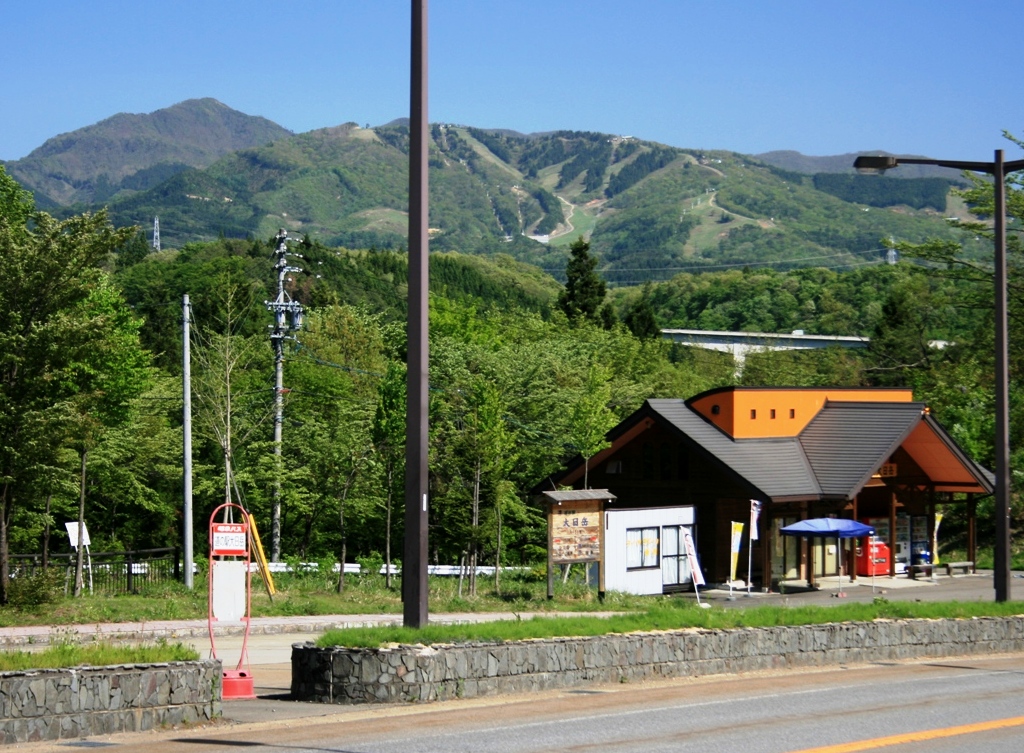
972	704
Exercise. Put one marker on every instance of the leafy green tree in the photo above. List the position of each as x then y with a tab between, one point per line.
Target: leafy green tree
334	378
387	433
608	316
134	251
52	268
489	446
900	340
232	398
640	317
107	372
590	418
584	289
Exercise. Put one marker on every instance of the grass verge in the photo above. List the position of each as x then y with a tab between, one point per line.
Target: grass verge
315	594
66	654
666	615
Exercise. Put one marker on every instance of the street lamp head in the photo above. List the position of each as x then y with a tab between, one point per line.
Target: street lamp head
871	164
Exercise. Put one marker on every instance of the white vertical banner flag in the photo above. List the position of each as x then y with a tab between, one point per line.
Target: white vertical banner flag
691	556
755	513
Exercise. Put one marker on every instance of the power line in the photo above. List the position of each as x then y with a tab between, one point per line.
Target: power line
704	267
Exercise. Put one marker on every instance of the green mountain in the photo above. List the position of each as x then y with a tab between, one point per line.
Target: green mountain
128	152
650	211
788	159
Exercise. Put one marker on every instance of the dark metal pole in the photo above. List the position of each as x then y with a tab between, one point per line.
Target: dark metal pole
414	562
1002	500
186	432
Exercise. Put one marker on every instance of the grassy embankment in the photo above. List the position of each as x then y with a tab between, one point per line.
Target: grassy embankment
666	614
314	594
66	651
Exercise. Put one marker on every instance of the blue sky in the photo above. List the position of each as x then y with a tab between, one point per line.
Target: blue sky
932	77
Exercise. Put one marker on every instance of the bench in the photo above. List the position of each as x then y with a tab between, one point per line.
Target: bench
914	570
967	567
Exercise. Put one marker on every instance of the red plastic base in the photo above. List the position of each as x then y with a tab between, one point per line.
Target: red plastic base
238	685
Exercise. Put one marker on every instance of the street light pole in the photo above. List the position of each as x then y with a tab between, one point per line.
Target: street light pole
1002	558
998	169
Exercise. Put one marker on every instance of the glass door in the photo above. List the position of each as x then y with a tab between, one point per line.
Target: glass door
675	568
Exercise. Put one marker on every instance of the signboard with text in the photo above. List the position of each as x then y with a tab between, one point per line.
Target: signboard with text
229	540
575	529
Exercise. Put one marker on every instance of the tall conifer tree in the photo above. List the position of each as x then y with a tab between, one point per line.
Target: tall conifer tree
584	288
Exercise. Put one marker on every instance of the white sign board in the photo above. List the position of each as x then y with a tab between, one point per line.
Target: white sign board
229	592
73	534
229	540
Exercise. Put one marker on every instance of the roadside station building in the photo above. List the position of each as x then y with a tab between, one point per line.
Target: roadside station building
873	455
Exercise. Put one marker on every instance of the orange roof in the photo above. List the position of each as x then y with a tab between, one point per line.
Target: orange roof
765	412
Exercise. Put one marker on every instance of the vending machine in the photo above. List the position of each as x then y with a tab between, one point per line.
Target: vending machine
873	558
920	541
902	553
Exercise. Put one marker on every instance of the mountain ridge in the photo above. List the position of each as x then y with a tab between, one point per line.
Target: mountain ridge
648	209
91	164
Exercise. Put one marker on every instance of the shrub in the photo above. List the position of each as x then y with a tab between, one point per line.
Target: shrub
27	590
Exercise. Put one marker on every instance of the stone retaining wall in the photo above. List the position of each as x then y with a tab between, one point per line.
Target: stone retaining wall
57	704
429	673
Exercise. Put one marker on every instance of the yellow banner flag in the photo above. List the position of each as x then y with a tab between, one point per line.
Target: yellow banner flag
734	548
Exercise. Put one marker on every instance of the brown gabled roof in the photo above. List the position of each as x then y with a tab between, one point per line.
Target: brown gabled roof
775	468
833	457
846	443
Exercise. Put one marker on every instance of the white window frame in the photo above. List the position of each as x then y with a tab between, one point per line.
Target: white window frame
643	548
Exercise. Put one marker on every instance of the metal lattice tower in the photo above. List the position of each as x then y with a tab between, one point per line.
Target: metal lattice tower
156	233
288	315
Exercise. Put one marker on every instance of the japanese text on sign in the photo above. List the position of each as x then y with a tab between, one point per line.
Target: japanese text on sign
576	532
229	539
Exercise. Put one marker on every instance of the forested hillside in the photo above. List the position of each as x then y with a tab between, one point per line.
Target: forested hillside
128	153
650	210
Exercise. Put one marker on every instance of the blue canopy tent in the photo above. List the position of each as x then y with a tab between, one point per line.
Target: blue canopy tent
838	528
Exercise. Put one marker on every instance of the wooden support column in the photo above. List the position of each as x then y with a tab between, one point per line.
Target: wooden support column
932	541
892	535
767	543
972	518
807	549
851	555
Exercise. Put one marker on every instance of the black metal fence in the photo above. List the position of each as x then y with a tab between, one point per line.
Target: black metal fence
111	572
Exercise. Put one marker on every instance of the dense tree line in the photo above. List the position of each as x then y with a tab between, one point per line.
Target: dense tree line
638	169
593	159
880	191
552	208
496	143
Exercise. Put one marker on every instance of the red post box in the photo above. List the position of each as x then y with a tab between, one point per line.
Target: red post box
873	557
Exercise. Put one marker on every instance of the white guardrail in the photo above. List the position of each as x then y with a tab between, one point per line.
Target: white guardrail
355	569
